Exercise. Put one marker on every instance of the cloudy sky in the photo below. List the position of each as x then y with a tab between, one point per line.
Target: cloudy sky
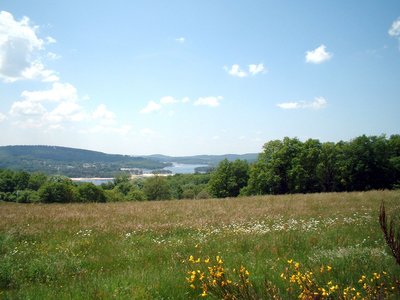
196	77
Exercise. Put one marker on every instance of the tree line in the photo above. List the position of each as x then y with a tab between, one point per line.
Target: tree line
284	166
291	166
25	187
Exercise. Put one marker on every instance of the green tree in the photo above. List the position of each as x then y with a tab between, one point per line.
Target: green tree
7	182
277	169
136	194
394	160
229	178
36	180
56	191
156	188
88	192
327	170
21	180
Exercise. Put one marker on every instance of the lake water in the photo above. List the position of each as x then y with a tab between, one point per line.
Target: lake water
176	168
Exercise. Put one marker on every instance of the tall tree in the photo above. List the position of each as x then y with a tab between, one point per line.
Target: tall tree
229	178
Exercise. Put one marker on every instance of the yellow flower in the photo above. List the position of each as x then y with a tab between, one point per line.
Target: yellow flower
192	286
204	294
329	268
207	260
290	261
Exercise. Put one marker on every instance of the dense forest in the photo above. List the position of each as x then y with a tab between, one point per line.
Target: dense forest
284	167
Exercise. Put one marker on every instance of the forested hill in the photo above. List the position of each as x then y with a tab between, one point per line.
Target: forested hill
70	161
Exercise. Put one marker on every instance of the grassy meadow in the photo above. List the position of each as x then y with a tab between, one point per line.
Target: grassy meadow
140	250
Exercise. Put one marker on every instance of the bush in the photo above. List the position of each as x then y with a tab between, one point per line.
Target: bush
136	195
157	188
58	192
27	196
88	192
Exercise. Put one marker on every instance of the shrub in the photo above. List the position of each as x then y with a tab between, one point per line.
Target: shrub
88	192
58	192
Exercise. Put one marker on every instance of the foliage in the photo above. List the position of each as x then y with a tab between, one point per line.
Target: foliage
88	192
229	178
156	188
292	166
56	191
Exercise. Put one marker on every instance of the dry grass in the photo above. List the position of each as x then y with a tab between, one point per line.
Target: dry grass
167	215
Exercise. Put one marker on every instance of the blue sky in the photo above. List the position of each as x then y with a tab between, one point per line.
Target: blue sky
196	77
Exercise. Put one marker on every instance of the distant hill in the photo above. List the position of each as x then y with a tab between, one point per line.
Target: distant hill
211	160
70	161
86	163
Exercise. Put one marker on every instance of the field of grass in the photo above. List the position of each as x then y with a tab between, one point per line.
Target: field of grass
140	250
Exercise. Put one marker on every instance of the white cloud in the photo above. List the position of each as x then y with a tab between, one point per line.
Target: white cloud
395	28
318	103
37	71
235	70
104	114
19	46
255	69
35	111
318	55
150	107
168	100
27	108
164	101
52	56
2	117
58	92
209	101
50	40
289	105
66	111
180	39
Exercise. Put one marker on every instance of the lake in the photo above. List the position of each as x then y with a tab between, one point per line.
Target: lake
176	168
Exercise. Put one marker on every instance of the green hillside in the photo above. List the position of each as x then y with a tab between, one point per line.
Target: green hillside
70	161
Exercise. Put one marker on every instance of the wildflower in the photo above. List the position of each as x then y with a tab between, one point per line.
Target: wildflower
329	268
204	294
192	286
290	261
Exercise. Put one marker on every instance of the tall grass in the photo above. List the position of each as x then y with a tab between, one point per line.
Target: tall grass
140	250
